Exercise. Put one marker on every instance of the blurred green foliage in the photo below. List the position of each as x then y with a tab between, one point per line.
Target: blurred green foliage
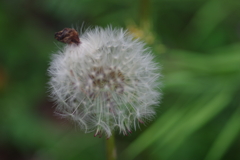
196	42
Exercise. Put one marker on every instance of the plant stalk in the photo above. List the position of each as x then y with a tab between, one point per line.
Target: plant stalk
111	148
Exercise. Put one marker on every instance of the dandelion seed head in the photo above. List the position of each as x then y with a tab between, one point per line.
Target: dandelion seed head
107	82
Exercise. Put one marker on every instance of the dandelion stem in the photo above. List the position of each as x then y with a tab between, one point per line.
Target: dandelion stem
111	148
144	14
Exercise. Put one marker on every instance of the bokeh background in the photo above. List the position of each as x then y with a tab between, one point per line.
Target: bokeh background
197	44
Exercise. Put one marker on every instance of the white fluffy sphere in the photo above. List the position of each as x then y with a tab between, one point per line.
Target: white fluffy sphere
109	81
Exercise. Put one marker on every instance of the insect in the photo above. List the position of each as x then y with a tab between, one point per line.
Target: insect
68	35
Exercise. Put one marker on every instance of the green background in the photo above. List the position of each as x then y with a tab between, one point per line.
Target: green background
197	44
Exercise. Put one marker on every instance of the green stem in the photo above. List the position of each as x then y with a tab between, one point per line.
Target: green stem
144	13
111	149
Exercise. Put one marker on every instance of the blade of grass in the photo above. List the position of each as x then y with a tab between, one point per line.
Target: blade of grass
194	120
225	138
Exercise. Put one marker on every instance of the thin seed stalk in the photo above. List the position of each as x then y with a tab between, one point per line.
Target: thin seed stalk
111	148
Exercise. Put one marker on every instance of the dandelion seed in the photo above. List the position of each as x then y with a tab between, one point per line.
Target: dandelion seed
107	81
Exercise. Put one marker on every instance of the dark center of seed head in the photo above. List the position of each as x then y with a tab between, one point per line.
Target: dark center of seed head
113	78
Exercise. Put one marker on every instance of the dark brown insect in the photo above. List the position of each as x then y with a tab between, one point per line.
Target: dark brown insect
68	35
